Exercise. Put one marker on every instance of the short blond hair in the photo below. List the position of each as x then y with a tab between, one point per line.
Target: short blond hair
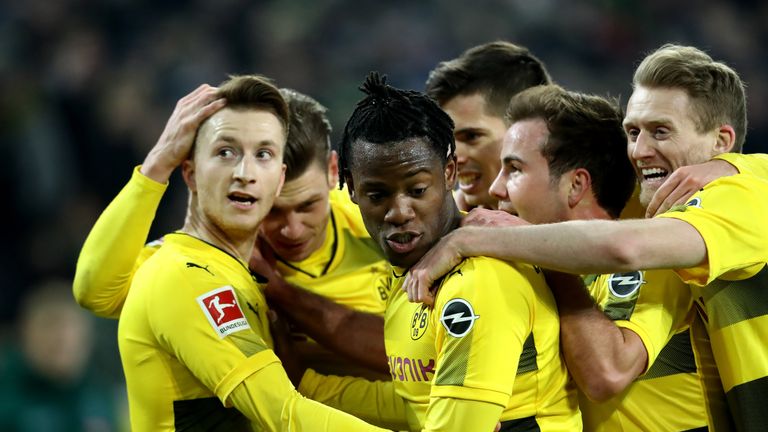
715	90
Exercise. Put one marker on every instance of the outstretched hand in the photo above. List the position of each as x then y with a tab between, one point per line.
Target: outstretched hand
175	143
437	262
686	181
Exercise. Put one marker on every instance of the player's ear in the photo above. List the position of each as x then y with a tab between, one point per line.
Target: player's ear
726	139
188	172
450	173
282	181
579	185
333	169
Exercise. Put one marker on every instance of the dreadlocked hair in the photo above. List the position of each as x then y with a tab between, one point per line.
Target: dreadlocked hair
390	115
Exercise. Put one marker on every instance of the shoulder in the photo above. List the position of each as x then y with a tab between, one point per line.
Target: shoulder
172	267
735	187
484	277
487	269
718	199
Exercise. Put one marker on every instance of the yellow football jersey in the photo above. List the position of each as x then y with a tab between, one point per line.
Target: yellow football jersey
492	338
349	268
755	164
195	344
194	325
730	286
680	389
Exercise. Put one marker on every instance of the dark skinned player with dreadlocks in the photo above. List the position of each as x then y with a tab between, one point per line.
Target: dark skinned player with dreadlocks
481	355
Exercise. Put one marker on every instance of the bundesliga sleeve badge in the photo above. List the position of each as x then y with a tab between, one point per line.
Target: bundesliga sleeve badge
458	317
222	310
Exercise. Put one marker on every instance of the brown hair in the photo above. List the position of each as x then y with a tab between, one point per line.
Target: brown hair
309	134
497	70
585	131
255	92
715	90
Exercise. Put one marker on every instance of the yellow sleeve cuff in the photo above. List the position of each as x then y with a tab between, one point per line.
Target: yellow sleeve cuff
145	182
472	394
247	368
650	349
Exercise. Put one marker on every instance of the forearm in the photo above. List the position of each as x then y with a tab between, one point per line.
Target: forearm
108	257
447	415
268	398
595	246
602	366
354	334
373	401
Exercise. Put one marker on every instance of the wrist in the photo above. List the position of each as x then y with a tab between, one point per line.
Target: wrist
156	170
280	293
463	243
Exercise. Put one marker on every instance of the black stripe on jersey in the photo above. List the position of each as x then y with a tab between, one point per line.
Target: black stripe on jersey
453	368
730	302
748	405
700	429
527	424
207	414
676	357
527	361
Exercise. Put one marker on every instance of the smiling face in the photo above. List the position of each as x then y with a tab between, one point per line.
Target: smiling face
478	142
524	186
295	226
662	136
236	171
404	194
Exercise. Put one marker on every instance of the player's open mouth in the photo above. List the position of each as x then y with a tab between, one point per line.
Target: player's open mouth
654	174
241	199
468	180
403	242
468	177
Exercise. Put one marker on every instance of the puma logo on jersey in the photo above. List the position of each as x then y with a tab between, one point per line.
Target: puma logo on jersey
193	265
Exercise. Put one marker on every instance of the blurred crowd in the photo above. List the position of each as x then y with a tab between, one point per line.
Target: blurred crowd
88	85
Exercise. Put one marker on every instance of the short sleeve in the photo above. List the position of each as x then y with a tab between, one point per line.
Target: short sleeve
183	328
484	316
654	304
730	214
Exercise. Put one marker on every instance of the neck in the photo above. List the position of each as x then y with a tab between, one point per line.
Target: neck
591	211
239	245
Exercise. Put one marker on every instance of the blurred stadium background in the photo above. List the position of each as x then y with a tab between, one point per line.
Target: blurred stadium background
88	85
